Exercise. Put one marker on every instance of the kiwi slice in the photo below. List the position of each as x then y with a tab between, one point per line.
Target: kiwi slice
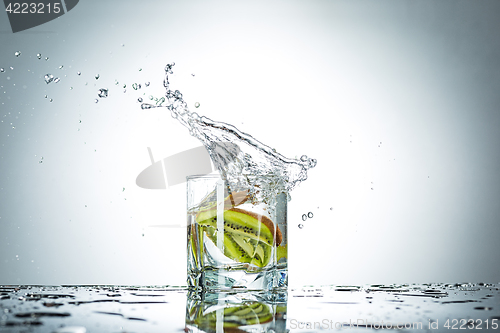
248	237
238	315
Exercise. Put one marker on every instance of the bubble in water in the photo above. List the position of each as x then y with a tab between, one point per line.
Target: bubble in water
96	100
46	58
196	105
140	99
2	70
39	55
304	217
97	77
303	158
103	93
50	100
79	73
301	226
49	78
17	54
45	96
310	215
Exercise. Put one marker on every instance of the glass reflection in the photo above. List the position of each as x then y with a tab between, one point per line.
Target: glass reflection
236	312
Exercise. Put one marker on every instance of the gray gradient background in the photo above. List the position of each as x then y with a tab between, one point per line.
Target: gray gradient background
399	96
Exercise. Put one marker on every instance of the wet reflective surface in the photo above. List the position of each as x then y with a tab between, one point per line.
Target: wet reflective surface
409	308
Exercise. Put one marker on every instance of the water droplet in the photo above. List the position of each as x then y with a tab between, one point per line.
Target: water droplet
17	54
301	226
50	100
140	69
304	217
2	70
140	99
97	77
61	67
46	58
124	86
146	106
303	158
96	100
103	93
39	55
49	78
192	74
57	80
11	68
70	88
310	215
147	84
45	96
196	105
331	208
79	73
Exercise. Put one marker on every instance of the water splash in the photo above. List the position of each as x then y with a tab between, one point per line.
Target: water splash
246	163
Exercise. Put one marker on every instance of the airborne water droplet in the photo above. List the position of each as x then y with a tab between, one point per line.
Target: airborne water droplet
57	80
140	99
39	55
2	70
196	105
46	58
96	100
304	217
61	67
17	54
49	78
147	84
97	77
310	215
146	106
79	73
301	226
103	93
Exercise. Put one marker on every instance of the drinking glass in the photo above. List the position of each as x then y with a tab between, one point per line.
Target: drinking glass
234	241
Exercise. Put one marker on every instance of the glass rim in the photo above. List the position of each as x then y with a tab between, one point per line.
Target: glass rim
209	175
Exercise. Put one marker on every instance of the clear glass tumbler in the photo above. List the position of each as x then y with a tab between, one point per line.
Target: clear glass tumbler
234	242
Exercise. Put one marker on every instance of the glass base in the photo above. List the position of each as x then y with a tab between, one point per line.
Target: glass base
224	279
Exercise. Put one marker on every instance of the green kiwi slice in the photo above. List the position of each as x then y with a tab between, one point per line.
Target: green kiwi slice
248	237
238	315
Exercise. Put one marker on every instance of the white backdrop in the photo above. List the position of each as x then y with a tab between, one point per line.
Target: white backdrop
398	102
